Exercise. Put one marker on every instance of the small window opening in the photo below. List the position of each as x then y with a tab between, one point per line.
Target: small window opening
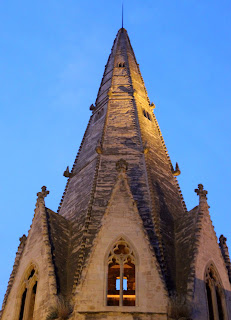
146	114
121	265
121	65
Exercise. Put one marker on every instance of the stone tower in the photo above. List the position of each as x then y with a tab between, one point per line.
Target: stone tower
122	244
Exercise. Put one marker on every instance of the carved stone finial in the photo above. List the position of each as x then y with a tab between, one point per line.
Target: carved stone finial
121	165
41	195
92	107
67	173
201	192
152	106
177	171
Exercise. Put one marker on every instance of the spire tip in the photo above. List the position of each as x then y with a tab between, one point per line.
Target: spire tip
122	15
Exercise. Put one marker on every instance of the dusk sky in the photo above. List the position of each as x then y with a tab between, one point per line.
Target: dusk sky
52	58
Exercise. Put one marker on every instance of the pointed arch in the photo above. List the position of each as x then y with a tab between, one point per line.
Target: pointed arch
122	262
27	293
216	302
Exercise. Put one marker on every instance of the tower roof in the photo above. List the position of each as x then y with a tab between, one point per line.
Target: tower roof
123	126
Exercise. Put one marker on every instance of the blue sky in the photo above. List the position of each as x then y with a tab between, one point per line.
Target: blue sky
52	57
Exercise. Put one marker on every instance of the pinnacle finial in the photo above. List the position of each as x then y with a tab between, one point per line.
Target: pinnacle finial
41	195
222	240
67	173
177	171
201	192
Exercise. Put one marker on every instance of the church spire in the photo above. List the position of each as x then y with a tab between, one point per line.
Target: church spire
123	125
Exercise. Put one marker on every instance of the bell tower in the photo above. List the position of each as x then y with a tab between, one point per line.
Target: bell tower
122	244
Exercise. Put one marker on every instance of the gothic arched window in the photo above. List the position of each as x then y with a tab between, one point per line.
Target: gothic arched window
215	295
28	295
121	280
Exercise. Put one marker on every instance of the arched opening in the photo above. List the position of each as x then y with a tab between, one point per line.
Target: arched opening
215	295
146	114
28	296
121	65
22	304
121	280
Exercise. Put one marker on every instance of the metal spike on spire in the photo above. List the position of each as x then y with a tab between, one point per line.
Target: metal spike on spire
122	15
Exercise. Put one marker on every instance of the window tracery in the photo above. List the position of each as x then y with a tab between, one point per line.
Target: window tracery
215	295
28	295
121	275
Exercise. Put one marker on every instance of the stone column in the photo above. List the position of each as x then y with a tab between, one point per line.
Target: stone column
121	282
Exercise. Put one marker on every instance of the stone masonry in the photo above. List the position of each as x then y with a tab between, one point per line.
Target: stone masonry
122	186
